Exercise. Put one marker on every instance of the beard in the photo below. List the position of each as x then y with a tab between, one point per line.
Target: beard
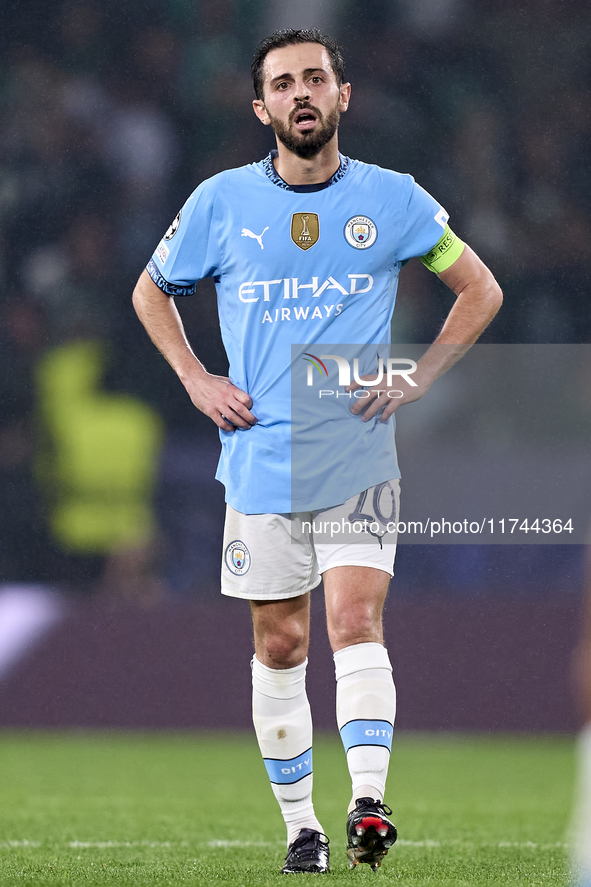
309	143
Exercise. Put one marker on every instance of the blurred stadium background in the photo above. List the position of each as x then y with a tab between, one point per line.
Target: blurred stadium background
110	524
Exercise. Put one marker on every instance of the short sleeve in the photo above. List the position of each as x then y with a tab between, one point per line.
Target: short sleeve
422	225
189	251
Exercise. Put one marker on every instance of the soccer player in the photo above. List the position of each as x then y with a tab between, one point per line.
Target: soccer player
305	248
582	673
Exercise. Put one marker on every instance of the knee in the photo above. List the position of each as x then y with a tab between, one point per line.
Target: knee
284	647
357	626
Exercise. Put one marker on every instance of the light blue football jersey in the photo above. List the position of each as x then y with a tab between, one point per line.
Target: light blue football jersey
303	266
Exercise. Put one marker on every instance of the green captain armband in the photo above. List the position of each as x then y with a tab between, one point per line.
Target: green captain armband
444	253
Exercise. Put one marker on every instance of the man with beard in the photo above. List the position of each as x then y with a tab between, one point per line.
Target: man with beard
305	247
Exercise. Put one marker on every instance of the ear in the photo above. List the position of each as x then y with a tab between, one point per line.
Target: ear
261	111
345	97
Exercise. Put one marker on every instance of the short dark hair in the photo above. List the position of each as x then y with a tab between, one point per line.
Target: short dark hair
290	37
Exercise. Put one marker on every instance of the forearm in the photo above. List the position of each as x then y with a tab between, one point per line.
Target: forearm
216	396
161	319
473	310
478	299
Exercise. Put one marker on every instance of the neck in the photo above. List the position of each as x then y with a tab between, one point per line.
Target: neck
313	171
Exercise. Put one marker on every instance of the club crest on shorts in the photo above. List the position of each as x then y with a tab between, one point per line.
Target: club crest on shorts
361	232
237	558
305	229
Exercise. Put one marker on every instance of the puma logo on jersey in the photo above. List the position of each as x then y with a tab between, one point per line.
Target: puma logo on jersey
257	237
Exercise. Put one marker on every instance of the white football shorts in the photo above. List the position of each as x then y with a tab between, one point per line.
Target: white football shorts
271	557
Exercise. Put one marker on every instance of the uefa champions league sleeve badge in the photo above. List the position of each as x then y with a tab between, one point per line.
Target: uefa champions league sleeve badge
174	227
361	232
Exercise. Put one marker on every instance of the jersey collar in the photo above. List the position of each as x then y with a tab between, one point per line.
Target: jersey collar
274	176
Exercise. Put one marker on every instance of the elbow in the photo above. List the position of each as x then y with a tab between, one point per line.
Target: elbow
494	296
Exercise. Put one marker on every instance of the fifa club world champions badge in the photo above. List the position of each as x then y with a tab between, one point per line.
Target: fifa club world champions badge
237	558
361	232
305	229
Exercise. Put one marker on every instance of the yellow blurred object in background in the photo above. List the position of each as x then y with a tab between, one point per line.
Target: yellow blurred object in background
102	457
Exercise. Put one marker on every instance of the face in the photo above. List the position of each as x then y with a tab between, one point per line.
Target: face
302	100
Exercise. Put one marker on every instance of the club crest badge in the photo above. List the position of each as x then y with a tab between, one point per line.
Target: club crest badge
361	232
305	229
237	558
174	227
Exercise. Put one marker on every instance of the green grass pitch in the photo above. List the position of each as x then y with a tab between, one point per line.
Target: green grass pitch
171	809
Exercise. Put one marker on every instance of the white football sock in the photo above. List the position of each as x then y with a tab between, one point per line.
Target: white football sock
283	725
366	707
581	820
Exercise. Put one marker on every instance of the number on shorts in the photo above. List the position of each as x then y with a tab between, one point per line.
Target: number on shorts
358	515
376	503
384	519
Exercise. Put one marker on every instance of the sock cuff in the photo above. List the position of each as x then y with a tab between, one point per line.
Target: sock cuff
278	683
359	657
